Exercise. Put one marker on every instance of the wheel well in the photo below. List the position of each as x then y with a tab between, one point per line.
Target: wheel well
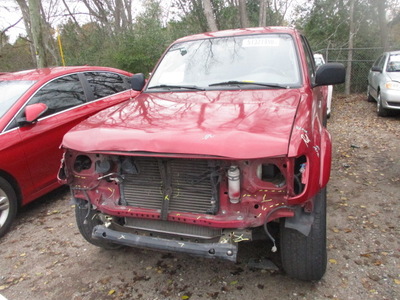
14	184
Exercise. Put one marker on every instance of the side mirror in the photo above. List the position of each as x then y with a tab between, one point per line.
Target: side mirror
33	113
330	74
137	82
376	69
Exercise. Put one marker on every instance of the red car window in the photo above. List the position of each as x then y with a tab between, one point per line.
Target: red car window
60	94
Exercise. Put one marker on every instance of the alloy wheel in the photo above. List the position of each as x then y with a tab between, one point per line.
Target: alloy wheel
4	207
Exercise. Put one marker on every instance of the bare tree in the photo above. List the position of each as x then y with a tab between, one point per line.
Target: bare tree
262	19
3	37
383	25
71	14
27	22
37	33
244	19
273	12
115	15
209	13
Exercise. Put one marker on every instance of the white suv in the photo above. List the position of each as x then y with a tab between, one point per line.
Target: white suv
319	60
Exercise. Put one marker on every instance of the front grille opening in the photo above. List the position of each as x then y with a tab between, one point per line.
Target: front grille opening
189	185
271	173
394	103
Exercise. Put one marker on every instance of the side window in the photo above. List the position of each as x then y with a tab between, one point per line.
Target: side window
309	58
60	94
106	83
382	61
376	63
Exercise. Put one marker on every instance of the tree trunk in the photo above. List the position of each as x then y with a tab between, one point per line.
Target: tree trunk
208	12
262	19
383	25
350	53
244	20
27	22
37	33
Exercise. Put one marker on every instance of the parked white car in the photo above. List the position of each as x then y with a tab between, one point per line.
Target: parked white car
319	60
384	83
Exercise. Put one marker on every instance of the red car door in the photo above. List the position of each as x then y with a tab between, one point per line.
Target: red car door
41	140
68	104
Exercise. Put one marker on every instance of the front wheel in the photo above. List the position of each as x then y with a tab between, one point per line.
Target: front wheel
381	111
8	206
305	257
87	219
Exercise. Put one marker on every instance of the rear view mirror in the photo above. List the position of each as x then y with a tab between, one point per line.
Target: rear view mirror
33	113
137	82
330	74
376	69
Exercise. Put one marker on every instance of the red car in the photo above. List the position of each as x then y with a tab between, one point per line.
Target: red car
37	108
227	136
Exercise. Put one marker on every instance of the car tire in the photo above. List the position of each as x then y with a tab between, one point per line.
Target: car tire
87	221
305	257
8	206
381	111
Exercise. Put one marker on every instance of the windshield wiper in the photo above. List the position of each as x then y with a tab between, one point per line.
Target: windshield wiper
167	86
234	82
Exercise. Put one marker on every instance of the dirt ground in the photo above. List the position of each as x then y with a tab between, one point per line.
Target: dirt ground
44	256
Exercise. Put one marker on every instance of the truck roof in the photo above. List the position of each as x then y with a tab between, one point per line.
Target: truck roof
237	32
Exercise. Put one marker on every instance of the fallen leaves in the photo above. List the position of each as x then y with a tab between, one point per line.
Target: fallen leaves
53	212
111	292
333	261
13	280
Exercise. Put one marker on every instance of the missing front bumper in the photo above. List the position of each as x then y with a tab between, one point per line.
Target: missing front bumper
225	251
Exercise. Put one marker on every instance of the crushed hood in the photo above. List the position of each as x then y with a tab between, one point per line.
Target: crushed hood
233	124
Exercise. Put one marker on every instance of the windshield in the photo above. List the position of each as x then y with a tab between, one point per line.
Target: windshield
393	63
267	60
10	92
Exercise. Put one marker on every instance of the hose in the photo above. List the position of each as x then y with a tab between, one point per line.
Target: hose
274	248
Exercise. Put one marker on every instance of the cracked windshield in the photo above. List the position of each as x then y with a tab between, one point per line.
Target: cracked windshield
265	60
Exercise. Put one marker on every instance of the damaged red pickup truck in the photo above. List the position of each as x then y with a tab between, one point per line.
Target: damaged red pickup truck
228	134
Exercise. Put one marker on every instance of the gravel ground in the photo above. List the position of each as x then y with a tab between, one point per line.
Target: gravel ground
44	256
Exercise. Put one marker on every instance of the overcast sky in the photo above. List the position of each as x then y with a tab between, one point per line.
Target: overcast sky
10	14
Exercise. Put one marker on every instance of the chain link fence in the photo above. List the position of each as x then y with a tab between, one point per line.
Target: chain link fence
363	58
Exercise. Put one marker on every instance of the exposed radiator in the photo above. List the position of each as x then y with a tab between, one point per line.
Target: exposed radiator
191	185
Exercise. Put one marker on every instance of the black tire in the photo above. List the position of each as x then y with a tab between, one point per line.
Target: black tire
305	257
8	206
86	222
381	111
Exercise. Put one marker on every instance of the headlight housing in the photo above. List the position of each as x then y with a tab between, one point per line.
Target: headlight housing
392	85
